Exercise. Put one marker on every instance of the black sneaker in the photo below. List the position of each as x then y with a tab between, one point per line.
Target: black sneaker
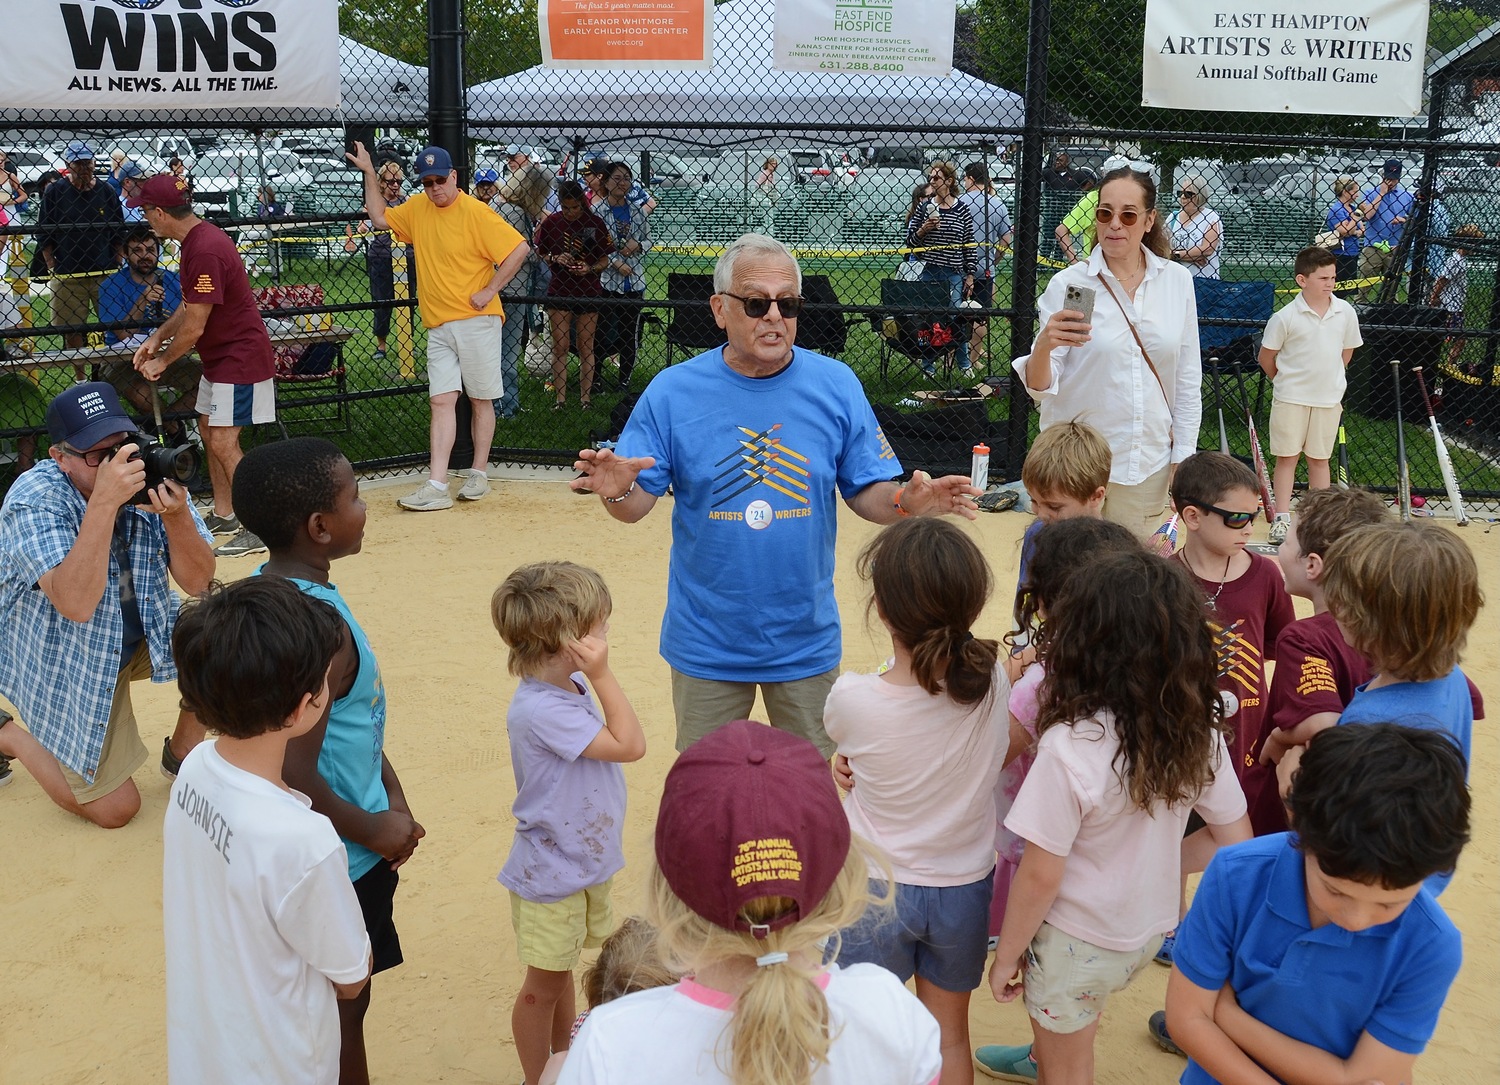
221	525
5	773
245	542
171	764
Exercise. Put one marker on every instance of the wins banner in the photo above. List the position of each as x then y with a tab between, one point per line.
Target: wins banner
1286	55
171	54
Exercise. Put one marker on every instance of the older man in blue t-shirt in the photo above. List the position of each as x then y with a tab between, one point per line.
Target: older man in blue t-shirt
756	439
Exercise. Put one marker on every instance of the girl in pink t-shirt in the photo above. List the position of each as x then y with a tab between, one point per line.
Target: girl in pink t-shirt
1059	550
1131	741
925	740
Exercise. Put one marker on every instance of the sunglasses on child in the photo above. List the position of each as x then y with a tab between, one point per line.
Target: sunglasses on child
1232	520
790	308
1106	215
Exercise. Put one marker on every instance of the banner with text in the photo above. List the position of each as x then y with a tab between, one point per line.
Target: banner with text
1285	55
171	54
623	34
866	37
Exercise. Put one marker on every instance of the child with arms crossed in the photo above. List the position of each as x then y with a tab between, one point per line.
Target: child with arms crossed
570	790
925	740
1316	957
1131	743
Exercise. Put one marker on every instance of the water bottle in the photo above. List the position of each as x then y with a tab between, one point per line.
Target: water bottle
979	472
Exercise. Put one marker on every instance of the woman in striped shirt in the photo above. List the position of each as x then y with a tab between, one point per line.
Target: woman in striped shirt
944	229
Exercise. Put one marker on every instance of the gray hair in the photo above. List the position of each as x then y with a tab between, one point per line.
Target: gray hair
1199	185
753	245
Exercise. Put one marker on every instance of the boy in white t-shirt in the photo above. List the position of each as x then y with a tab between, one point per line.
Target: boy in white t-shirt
1306	349
263	929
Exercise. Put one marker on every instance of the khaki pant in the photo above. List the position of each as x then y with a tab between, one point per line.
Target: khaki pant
1141	507
703	705
123	751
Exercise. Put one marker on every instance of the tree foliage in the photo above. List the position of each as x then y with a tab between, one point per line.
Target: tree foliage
502	35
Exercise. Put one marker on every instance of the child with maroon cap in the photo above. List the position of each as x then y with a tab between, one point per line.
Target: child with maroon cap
756	870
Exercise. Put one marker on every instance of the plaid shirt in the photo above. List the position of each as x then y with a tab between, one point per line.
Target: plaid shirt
60	674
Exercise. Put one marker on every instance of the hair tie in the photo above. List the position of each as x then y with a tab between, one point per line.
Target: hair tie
968	636
769	959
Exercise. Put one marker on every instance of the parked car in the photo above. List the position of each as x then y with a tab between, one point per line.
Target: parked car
225	180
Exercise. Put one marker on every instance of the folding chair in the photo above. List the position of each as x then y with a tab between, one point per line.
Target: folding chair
688	325
823	328
915	321
1233	348
316	365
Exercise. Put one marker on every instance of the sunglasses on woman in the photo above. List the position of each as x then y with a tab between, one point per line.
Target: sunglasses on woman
1188	194
790	308
1232	520
1106	215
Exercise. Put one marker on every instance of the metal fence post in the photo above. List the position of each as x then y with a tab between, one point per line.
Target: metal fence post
447	119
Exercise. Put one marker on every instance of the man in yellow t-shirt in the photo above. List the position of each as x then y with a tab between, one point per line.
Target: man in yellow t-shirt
465	254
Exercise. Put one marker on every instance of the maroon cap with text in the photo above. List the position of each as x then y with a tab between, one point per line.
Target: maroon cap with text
162	190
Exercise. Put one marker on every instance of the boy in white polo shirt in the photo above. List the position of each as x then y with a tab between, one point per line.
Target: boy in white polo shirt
1307	347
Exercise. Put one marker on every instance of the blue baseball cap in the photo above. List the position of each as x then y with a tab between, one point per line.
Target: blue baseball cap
85	414
78	151
433	162
131	169
482	177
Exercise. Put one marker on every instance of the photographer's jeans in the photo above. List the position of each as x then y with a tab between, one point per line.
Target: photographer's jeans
512	334
955	281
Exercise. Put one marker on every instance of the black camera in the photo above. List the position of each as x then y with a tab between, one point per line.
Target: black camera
164	462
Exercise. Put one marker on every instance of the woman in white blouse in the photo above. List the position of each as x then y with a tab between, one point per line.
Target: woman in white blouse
1147	410
1197	232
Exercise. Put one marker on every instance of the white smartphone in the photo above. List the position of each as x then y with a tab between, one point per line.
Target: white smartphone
1080	299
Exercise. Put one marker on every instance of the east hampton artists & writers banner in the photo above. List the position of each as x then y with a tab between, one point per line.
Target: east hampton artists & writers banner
171	54
621	34
1296	56
867	37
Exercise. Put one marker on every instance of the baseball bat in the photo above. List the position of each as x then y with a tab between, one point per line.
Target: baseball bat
1445	462
1219	404
1342	478
1403	483
1267	498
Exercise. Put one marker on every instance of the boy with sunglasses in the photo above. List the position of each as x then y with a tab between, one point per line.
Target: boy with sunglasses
1305	352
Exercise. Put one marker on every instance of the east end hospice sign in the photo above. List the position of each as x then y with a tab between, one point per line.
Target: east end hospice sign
172	54
1293	56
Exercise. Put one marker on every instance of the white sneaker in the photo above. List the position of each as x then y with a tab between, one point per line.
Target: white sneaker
1279	527
475	486
427	498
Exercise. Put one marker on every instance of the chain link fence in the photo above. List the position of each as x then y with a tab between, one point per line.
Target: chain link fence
839	168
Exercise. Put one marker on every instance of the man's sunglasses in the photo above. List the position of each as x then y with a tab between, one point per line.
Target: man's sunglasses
790	308
1108	214
1232	520
434	182
96	456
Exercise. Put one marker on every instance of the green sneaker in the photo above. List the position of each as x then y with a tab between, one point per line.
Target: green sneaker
1006	1063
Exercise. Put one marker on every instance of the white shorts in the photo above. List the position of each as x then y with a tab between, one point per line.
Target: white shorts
464	355
1068	980
237	404
1298	430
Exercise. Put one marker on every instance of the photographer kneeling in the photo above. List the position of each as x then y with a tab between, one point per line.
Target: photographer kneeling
88	610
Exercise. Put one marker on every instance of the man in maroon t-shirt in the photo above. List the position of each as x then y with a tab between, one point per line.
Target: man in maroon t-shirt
219	317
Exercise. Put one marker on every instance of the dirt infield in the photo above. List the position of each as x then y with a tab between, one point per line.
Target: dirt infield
80	908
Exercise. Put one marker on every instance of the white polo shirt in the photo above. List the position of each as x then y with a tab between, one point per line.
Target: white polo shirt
1310	365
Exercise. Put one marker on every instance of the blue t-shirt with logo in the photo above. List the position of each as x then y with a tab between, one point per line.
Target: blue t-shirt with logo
756	466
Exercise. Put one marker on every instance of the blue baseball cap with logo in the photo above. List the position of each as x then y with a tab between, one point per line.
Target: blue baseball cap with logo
433	162
486	176
85	414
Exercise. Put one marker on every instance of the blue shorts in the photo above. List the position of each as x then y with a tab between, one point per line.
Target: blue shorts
940	934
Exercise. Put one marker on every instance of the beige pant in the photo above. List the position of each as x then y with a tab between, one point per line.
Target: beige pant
703	705
123	751
1141	507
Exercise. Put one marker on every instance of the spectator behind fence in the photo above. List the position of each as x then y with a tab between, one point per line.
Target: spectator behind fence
993	233
79	234
521	198
379	263
129	179
1386	208
1196	229
944	231
1146	405
1450	288
576	245
625	277
140	296
756	438
219	318
486	185
465	254
1346	220
1075	233
84	559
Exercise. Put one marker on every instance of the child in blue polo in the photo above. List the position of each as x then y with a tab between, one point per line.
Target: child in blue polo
1318	955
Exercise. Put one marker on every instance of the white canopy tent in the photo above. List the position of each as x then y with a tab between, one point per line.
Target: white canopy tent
742	99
